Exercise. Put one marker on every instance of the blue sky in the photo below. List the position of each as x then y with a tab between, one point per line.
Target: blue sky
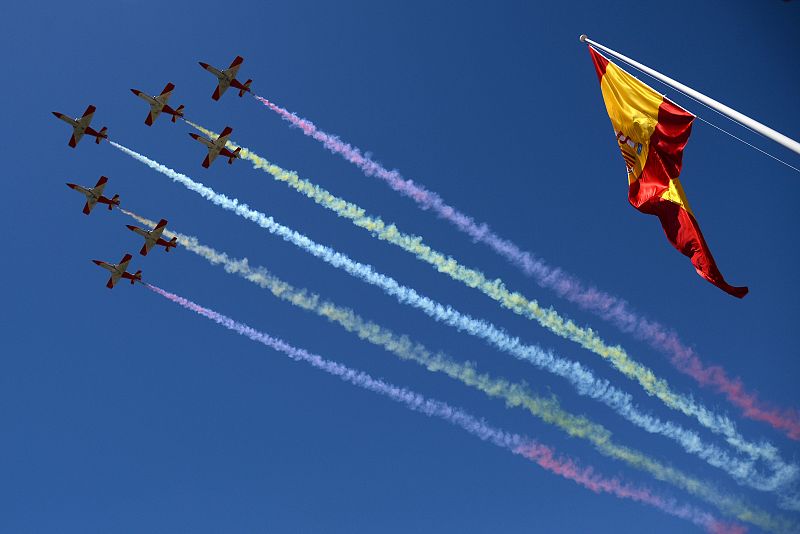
122	412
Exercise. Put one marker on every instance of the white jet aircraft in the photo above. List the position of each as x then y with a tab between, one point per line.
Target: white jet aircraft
217	147
120	270
81	126
227	78
95	195
159	104
153	237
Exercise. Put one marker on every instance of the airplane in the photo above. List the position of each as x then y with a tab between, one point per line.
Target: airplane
153	237
95	195
81	126
159	104
120	270
227	78
217	147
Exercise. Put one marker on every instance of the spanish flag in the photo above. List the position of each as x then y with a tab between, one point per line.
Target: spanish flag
652	132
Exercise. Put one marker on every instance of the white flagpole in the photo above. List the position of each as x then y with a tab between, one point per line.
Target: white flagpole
741	118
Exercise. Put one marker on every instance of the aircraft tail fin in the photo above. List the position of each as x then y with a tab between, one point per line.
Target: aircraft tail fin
114	202
172	243
235	155
245	88
102	134
137	277
178	113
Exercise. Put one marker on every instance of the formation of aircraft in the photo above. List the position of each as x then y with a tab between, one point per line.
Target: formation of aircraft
227	78
153	237
159	104
80	126
95	195
119	270
216	147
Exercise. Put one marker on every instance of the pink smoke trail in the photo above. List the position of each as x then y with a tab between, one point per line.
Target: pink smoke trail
610	308
526	447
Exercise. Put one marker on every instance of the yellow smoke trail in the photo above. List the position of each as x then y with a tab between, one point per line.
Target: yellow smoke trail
514	394
549	318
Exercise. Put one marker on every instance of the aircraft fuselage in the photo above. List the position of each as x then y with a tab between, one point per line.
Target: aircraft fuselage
218	73
149	99
77	128
114	268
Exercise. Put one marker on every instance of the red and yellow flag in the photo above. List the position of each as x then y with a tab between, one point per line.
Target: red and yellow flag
652	133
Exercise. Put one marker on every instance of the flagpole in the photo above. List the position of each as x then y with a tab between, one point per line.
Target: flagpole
741	118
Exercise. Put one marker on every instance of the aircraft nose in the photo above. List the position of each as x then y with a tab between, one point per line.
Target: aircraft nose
56	113
135	91
204	65
97	262
130	227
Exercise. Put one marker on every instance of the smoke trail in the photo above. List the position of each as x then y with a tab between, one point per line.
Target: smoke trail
582	379
526	447
610	308
495	289
514	394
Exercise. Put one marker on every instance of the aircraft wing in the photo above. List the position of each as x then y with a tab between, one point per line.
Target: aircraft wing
155	110
221	88
113	280
165	94
87	117
155	234
231	71
148	244
123	264
223	137
90	202
100	186
212	155
76	137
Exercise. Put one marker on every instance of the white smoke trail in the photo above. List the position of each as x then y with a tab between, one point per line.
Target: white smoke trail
514	301
525	447
582	379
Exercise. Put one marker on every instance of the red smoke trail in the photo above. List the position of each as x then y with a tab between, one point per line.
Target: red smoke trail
586	477
610	308
526	447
